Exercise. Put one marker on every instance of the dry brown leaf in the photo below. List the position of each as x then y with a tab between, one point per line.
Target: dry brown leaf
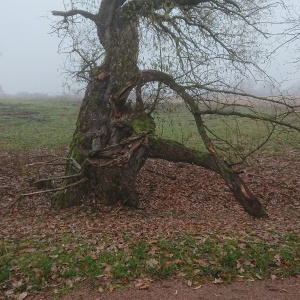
27	250
218	280
22	296
142	286
108	269
277	260
198	287
152	262
200	262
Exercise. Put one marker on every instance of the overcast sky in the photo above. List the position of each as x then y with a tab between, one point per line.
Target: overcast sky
29	61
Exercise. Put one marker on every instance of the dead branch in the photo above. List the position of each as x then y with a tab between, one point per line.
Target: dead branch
47	162
46	191
55	190
53	162
56	178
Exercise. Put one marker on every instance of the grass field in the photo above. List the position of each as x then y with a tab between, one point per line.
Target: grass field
176	122
32	124
47	262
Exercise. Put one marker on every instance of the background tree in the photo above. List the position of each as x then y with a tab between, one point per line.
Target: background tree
200	51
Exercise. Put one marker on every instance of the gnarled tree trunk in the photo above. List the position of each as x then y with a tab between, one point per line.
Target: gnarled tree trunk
101	126
112	140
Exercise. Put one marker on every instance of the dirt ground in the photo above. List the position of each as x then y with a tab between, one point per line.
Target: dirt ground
175	199
279	289
287	289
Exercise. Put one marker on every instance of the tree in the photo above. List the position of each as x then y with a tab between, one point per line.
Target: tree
199	51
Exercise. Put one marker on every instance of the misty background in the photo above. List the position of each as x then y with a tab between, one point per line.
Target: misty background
29	61
30	64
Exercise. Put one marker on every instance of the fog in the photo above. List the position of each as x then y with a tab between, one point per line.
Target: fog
29	62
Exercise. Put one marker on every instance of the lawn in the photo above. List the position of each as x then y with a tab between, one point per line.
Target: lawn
33	124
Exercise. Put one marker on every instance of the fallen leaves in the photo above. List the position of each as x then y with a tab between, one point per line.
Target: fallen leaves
194	202
142	286
10	294
152	263
189	283
22	296
218	280
143	283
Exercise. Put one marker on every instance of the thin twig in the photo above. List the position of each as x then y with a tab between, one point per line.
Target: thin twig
55	190
47	162
47	191
57	178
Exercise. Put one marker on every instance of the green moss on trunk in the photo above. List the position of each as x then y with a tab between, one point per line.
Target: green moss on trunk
143	124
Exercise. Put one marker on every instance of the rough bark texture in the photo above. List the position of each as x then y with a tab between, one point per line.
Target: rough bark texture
112	140
100	123
176	152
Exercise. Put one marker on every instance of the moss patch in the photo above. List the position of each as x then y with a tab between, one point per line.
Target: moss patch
143	123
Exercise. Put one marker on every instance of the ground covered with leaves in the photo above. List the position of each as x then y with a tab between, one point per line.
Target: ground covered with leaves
188	228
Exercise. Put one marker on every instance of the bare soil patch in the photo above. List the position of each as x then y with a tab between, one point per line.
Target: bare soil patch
284	289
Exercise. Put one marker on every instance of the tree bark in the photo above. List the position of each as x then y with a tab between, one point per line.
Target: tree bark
101	126
175	152
112	140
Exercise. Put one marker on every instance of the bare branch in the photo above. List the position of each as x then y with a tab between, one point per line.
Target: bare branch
57	178
46	191
57	189
153	75
74	12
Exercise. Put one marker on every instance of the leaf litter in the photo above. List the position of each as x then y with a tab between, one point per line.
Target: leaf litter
193	201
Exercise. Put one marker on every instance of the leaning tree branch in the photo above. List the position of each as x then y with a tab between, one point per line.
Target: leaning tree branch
242	193
176	152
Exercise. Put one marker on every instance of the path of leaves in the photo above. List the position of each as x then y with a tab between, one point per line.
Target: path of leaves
175	199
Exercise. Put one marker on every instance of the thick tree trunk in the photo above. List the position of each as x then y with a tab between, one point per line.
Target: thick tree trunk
112	149
102	126
109	149
112	141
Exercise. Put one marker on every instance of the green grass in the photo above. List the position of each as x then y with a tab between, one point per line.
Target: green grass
190	257
32	124
176	122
